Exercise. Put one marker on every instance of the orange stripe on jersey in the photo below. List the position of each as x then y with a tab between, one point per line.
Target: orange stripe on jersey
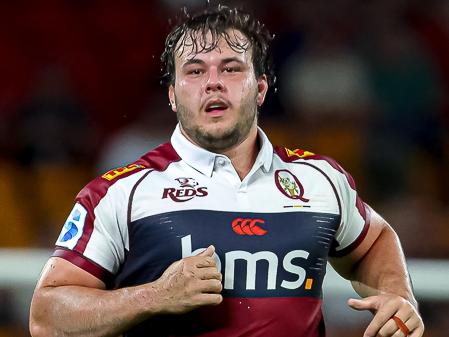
309	283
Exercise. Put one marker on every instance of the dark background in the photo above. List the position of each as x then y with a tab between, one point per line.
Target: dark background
365	82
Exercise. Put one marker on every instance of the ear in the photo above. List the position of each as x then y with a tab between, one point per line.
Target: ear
262	88
171	97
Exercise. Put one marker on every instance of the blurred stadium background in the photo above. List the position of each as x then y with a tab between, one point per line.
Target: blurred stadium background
366	82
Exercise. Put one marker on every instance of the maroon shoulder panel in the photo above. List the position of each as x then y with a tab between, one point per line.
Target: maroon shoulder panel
158	159
93	192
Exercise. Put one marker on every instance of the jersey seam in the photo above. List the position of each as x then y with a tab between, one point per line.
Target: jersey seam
131	196
359	239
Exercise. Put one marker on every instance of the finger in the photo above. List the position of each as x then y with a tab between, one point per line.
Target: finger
398	333
367	303
209	274
208	299
401	324
418	332
410	326
380	318
209	251
205	262
415	325
390	328
209	286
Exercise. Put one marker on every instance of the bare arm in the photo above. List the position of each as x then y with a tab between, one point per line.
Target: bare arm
378	273
68	301
378	264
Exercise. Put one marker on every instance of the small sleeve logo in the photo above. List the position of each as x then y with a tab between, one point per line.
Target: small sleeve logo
113	174
70	226
298	153
73	227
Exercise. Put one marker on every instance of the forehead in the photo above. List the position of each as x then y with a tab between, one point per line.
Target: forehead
193	44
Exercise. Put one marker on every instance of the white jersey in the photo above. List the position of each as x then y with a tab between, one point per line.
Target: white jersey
273	232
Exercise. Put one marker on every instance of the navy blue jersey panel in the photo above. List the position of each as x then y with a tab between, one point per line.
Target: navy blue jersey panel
259	254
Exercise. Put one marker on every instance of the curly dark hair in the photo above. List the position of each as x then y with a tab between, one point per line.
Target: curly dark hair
218	22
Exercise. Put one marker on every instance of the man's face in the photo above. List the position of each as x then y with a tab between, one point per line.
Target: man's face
216	94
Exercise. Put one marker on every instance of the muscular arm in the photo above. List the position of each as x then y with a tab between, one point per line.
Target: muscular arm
378	272
378	264
71	302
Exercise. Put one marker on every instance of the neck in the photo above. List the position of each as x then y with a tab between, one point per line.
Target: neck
244	155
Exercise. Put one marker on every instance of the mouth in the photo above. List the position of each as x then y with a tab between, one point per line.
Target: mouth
216	108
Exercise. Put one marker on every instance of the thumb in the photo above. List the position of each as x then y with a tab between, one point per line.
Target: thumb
209	251
367	303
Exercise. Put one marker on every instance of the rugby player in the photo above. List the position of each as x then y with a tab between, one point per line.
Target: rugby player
218	233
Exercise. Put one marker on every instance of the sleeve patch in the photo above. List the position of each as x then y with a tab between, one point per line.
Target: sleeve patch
73	227
113	174
298	153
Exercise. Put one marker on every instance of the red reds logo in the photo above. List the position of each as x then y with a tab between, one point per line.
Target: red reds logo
186	192
248	226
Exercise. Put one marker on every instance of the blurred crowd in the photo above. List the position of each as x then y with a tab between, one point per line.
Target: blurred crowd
365	82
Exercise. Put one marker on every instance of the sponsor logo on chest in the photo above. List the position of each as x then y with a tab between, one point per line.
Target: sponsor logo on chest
290	263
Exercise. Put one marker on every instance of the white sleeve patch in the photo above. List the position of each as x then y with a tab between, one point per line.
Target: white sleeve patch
352	222
350	228
73	227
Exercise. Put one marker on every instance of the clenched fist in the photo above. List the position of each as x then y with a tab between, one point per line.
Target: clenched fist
190	283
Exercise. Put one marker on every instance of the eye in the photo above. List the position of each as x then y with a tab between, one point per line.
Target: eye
231	69
195	71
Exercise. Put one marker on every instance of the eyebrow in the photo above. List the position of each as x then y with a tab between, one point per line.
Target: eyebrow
201	62
193	61
232	59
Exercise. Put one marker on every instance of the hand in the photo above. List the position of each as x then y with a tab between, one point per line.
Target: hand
384	307
190	283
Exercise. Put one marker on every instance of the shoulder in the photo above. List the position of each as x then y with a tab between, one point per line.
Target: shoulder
127	176
299	155
327	165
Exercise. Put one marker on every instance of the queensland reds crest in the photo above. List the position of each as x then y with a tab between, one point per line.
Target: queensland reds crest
289	185
187	190
187	182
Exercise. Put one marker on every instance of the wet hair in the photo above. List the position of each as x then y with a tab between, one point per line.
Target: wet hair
218	21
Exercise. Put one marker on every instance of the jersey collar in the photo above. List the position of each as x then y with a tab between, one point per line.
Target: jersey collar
204	161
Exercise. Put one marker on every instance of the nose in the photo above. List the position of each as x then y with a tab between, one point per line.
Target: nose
214	82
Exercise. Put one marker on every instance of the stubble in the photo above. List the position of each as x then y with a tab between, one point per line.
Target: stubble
223	140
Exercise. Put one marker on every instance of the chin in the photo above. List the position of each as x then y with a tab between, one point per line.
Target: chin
219	131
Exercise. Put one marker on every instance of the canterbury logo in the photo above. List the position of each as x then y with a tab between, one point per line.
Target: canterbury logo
248	226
